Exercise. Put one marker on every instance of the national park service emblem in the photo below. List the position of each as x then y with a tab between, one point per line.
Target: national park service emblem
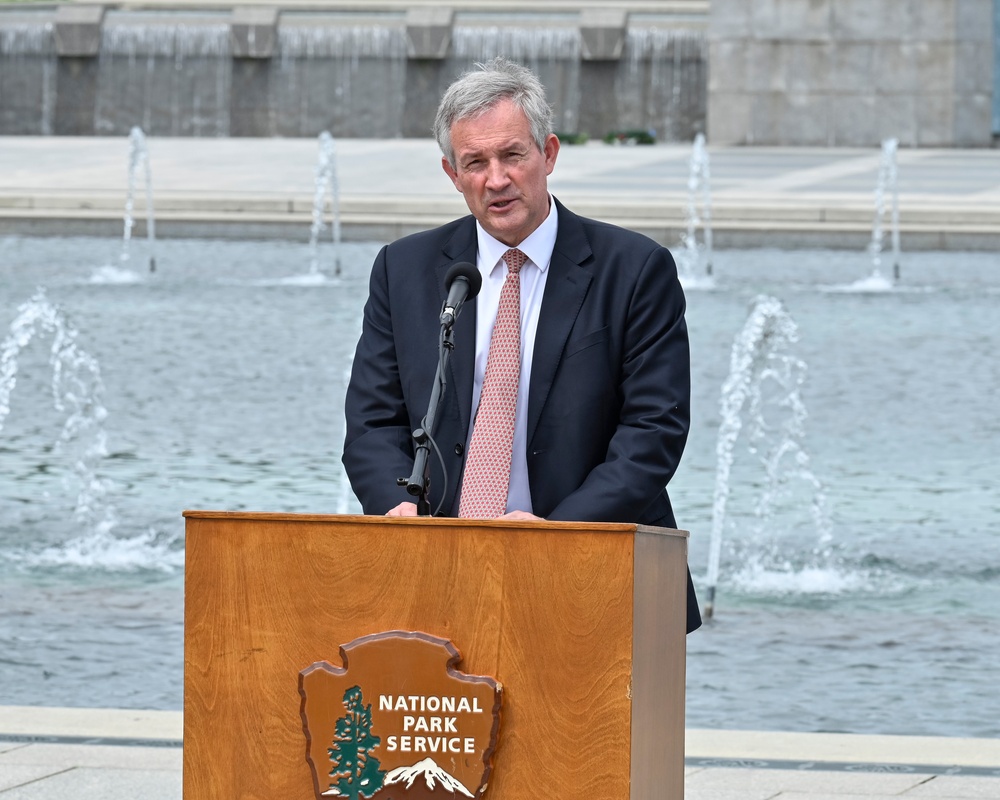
398	721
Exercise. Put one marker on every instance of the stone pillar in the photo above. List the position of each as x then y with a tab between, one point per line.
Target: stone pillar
253	36
77	31
602	33
599	111
253	31
428	32
428	42
850	72
602	41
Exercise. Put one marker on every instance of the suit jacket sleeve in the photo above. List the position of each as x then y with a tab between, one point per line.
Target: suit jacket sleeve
378	446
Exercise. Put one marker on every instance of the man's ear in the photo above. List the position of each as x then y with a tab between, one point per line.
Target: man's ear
450	172
550	151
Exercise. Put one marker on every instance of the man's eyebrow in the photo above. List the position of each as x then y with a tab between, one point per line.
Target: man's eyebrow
506	147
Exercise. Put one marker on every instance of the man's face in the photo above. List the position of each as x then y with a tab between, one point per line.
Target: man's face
501	172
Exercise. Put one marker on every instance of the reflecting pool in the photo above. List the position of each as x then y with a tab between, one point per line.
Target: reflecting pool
221	382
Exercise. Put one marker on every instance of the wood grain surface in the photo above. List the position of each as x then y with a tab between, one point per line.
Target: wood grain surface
545	608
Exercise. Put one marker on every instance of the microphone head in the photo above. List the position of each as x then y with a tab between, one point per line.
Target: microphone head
469	272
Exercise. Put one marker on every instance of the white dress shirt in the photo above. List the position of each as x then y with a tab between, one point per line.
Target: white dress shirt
538	248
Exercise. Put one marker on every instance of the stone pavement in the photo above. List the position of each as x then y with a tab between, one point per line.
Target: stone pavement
113	754
824	197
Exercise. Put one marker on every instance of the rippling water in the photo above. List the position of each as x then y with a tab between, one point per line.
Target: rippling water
223	375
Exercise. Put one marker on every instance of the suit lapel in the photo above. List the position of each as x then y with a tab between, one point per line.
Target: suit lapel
565	289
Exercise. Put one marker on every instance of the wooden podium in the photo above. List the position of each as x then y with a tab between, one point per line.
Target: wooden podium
582	623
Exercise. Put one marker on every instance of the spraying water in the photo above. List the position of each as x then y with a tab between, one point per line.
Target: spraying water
886	184
138	159
327	186
698	214
764	374
76	391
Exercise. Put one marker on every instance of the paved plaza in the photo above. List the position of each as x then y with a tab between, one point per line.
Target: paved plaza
110	754
256	188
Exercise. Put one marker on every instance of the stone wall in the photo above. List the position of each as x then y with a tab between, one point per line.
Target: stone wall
767	72
255	71
851	72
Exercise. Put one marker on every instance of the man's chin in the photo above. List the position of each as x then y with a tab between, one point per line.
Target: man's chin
504	228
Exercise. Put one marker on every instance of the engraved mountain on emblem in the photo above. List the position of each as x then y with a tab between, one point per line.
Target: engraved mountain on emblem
424	780
436	782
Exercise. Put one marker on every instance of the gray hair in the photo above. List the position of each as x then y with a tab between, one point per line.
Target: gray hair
478	90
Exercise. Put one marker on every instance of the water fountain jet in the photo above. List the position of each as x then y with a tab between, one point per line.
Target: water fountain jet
76	390
886	183
138	159
698	214
763	371
327	187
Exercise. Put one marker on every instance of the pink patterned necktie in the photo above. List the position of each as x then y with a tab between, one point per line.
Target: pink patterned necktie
487	469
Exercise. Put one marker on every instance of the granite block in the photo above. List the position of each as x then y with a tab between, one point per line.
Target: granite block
78	30
803	20
973	121
973	68
852	67
935	67
763	67
808	66
764	18
730	18
934	20
935	120
729	118
428	32
602	33
974	21
896	66
852	119
253	31
728	69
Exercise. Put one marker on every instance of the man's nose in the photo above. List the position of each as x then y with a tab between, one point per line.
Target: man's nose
496	175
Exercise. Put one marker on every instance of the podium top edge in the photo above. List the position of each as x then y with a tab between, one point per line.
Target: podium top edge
447	522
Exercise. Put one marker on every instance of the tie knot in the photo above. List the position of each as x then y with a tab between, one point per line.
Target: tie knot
514	259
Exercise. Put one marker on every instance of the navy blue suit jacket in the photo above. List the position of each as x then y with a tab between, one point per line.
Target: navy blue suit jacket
609	393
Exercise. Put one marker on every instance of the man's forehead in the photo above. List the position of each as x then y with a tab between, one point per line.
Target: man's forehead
486	132
504	110
491	140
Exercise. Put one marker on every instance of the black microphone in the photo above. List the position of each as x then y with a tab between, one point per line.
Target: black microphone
464	281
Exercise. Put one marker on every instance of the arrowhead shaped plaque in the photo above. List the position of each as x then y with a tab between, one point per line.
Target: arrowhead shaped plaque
398	721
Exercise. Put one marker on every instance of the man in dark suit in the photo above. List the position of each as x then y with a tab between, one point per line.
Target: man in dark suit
603	391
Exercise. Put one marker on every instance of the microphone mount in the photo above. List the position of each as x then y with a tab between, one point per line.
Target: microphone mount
463	282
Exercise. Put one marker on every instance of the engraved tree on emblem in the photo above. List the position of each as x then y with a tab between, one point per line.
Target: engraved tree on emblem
355	771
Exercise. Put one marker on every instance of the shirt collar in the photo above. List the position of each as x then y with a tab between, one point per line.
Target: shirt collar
537	247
